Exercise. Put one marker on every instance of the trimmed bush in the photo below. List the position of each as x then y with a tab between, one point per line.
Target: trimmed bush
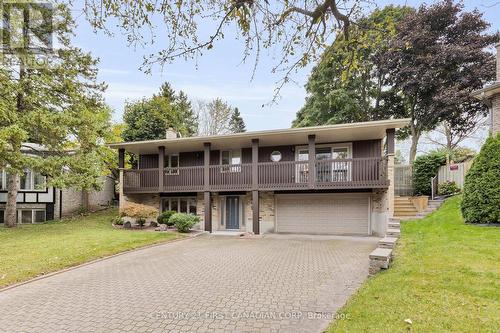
448	188
183	222
481	200
137	211
118	220
141	222
164	218
424	168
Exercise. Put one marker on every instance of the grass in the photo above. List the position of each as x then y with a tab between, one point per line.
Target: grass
32	250
445	278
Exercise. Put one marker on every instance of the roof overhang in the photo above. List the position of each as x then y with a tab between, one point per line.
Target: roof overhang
487	92
292	136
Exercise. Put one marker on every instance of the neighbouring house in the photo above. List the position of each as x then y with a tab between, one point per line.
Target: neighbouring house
335	179
490	95
37	202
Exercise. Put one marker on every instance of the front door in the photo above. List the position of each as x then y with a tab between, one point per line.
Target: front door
232	212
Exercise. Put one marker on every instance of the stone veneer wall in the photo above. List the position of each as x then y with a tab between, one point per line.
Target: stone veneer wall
379	214
495	114
267	212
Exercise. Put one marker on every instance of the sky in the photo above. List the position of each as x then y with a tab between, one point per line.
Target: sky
219	73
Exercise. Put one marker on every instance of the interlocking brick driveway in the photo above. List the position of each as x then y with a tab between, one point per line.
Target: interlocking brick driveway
208	283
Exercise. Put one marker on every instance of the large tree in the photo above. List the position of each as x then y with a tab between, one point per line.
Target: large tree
219	117
50	98
436	60
149	118
299	28
348	84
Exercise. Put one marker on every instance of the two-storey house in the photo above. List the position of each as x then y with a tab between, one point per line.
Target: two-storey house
335	179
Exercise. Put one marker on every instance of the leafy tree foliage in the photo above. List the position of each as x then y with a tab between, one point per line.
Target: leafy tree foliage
348	84
218	117
236	123
148	118
435	61
481	201
300	29
52	99
424	168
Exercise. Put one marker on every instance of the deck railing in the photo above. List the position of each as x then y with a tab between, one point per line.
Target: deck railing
286	175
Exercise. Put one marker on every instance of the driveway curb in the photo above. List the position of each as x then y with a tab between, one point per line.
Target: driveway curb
99	260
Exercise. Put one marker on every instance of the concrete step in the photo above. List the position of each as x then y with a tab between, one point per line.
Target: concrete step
400	213
393	225
393	232
380	258
387	242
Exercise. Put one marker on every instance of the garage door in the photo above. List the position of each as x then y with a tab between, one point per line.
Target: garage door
323	214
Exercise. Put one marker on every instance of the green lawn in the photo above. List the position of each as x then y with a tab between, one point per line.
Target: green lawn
31	250
445	278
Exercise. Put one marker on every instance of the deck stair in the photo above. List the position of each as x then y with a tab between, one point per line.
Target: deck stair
404	208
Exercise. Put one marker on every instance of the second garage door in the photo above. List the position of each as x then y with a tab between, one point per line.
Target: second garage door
334	214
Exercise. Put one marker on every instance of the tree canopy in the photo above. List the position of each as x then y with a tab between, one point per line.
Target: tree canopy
51	97
348	84
299	29
149	118
219	117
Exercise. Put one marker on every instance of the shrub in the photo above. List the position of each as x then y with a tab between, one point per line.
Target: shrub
118	220
164	218
141	222
424	168
481	199
448	188
137	211
183	222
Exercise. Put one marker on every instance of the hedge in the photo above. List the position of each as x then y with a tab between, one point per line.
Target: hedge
481	200
424	168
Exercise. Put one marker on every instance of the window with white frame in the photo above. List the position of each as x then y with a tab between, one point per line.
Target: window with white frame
230	160
327	168
28	181
172	164
180	204
31	215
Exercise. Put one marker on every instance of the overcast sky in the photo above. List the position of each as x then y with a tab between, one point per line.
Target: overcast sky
219	73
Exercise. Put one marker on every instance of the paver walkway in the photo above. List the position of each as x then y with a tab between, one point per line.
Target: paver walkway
210	283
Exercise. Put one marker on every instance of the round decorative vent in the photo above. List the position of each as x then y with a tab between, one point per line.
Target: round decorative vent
275	156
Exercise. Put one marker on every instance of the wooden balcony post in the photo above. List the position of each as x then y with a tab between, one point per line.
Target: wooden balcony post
121	158
390	132
255	186
311	177
255	161
161	167
206	165
206	187
208	211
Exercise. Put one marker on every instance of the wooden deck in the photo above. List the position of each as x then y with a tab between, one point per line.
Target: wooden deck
354	173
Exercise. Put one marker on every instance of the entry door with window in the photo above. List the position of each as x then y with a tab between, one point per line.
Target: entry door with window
232	214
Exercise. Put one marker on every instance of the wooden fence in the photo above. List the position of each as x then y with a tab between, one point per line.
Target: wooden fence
403	180
454	173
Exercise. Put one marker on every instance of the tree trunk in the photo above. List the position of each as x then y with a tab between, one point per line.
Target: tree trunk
11	205
415	136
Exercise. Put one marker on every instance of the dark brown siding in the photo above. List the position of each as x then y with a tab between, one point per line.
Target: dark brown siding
148	161
287	153
367	148
364	149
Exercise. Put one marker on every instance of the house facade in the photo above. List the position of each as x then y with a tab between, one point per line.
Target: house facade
37	202
335	179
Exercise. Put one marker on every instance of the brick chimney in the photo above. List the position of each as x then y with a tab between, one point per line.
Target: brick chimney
498	62
170	133
495	100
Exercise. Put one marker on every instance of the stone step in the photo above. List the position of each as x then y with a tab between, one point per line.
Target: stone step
399	213
393	225
380	258
391	232
387	242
